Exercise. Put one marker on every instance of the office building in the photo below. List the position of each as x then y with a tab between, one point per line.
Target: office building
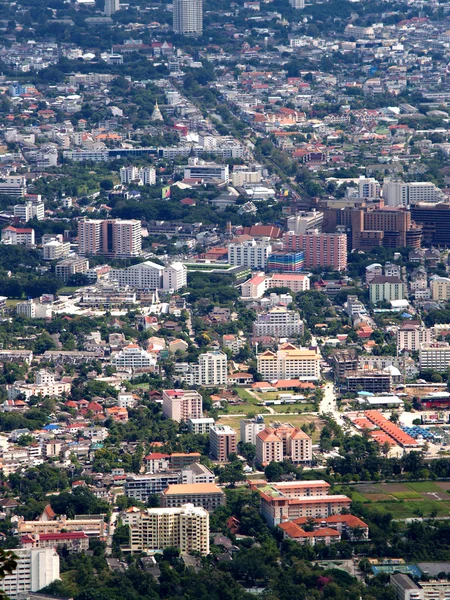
149	276
111	237
207	495
188	17
208	172
435	221
278	322
36	568
435	356
283	442
182	405
111	7
18	236
297	4
71	266
16	187
222	442
185	528
305	221
250	428
319	249
398	193
411	334
440	288
55	250
386	288
250	253
289	362
30	210
286	262
290	500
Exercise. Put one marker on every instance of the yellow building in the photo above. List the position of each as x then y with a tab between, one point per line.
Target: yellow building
186	528
440	288
289	362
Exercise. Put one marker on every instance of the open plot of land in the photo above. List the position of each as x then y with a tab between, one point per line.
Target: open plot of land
378	497
416	508
408	495
423	486
445	485
393	487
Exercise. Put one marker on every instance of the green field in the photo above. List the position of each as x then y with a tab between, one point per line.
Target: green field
423	486
295	408
407	495
416	508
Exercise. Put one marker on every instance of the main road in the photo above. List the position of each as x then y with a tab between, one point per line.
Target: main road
328	404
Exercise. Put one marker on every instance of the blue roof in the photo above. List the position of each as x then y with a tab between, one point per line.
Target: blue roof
51	427
365	393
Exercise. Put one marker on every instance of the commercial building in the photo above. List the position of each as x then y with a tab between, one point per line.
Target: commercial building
222	442
188	17
151	276
399	193
376	382
185	528
71	266
132	357
435	356
208	171
250	428
289	362
250	253
435	221
319	249
207	495
23	236
286	262
278	322
182	405
386	288
36	568
411	334
284	442
440	288
15	186
287	501
111	237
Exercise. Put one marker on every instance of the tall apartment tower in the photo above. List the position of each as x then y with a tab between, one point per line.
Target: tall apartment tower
297	3
188	17
222	442
111	6
111	237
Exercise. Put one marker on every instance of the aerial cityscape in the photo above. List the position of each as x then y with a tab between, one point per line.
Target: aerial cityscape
225	300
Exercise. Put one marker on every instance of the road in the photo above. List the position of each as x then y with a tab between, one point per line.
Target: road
328	404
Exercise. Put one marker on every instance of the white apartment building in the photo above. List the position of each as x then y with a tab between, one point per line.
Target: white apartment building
182	405
55	250
186	528
30	210
174	277
296	282
368	187
305	221
435	356
138	176
250	253
151	276
289	362
207	172
241	177
297	4
250	428
412	334
278	322
200	426
211	369
111	6
36	569
16	187
399	193
188	17
18	236
132	357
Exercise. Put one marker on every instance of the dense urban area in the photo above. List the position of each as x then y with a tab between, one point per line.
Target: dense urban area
225	300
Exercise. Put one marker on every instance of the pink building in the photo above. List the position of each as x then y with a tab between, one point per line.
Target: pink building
181	405
320	249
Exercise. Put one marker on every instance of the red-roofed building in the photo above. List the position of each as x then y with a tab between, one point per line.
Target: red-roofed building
324	535
156	461
18	236
74	540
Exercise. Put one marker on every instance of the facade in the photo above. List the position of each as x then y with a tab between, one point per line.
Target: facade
286	262
143	487
71	266
174	277
435	356
188	17
250	428
305	221
132	357
211	369
440	288
209	171
254	287
36	569
222	442
149	276
411	334
182	405
278	322
207	495
110	237
186	528
319	249
29	210
398	193
55	250
143	176
284	442
200	426
294	281
289	362
386	288
250	253
405	588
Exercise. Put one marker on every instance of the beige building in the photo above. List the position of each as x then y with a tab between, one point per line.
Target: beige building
283	442
185	527
222	442
412	334
386	288
289	362
440	288
181	405
207	495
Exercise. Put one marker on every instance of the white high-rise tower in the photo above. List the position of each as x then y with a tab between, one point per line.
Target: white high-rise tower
111	6
188	17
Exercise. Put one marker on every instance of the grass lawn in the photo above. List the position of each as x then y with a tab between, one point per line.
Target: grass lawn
244	395
141	386
296	408
407	495
418	508
68	289
357	497
423	486
12	302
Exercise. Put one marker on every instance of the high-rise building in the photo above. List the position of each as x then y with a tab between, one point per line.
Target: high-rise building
305	221
411	334
143	176
36	568
286	262
111	6
249	253
111	237
283	442
289	362
297	3
181	405
188	17
222	442
150	276
211	369
186	528
250	429
278	322
399	193
319	249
